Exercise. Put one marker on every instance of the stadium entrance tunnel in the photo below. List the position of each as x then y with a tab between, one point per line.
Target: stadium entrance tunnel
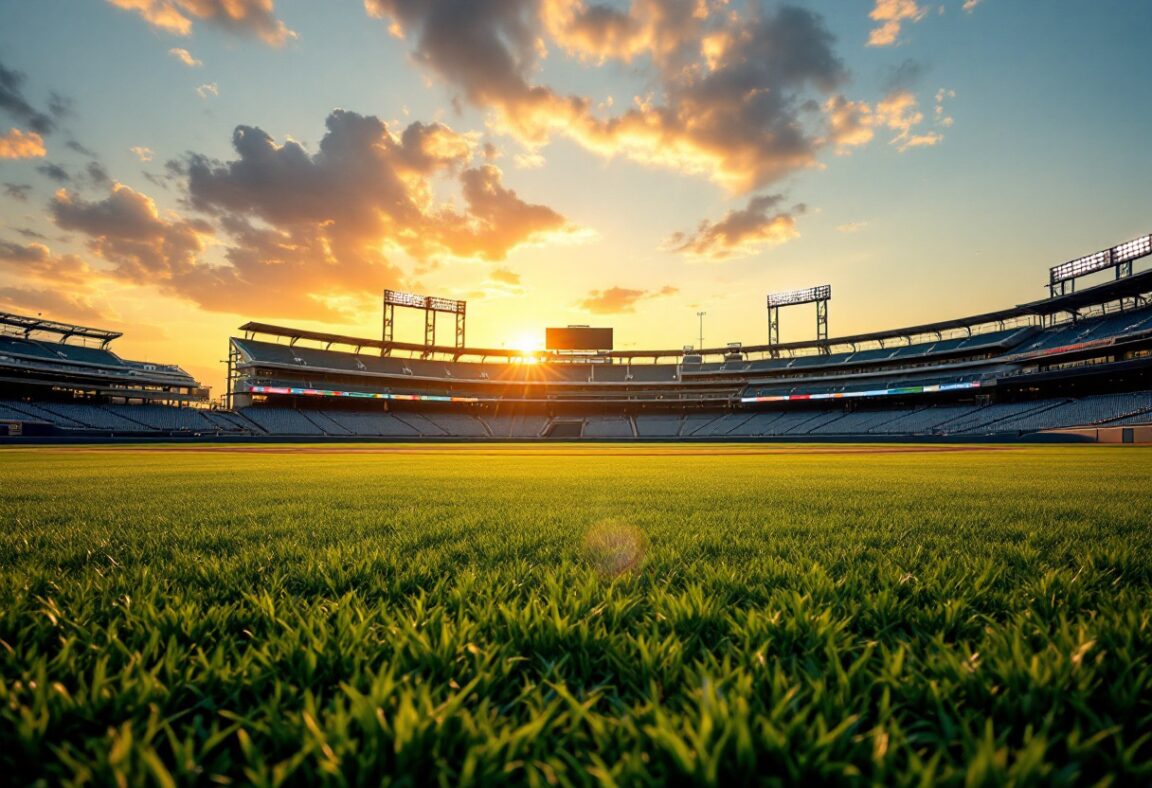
564	429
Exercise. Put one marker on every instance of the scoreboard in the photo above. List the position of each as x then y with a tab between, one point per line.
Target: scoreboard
578	338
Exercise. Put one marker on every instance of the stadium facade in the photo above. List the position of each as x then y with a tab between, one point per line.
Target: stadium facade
1081	358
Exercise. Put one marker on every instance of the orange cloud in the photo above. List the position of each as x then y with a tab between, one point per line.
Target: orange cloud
892	14
288	233
849	123
741	232
36	260
185	57
731	91
504	276
618	300
245	17
17	144
900	112
81	308
126	229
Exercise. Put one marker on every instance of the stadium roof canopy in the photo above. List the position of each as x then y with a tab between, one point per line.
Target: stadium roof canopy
343	339
28	325
1124	287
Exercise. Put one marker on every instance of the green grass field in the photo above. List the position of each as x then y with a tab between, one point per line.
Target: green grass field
557	615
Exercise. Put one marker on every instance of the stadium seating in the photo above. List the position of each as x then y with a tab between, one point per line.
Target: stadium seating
608	427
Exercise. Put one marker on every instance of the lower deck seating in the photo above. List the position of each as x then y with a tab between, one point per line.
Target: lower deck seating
778	420
607	427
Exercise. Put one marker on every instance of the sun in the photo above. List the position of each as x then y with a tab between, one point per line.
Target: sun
528	344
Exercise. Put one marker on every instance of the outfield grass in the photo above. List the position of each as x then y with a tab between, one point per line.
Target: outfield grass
613	614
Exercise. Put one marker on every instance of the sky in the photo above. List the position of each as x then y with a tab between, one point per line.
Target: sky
173	169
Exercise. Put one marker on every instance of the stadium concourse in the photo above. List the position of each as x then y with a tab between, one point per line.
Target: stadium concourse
1077	360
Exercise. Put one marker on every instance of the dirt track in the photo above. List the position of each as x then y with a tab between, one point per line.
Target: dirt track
514	450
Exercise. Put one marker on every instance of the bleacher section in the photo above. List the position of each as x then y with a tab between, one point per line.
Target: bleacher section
608	427
956	420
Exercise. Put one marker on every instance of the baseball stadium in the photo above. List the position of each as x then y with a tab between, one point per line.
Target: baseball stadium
359	424
1074	365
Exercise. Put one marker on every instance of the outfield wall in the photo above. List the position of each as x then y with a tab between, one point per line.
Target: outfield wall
1135	434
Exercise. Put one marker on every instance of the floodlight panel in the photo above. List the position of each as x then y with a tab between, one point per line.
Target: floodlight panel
1130	250
435	303
1081	266
397	298
804	296
444	304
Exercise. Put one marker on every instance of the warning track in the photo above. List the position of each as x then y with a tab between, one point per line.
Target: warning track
521	450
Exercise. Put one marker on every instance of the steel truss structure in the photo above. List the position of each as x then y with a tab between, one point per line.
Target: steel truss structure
430	305
819	295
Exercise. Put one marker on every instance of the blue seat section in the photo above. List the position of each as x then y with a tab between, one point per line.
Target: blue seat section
19	347
607	427
1109	327
58	352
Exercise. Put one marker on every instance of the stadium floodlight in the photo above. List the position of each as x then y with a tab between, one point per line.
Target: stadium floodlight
396	298
1082	266
1119	257
804	296
819	295
430	305
435	303
1131	250
446	305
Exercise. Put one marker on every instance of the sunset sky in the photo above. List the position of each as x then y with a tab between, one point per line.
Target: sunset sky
174	168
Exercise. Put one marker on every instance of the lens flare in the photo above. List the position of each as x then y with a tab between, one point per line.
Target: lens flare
614	547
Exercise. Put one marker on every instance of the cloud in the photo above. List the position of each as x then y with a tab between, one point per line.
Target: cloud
185	57
504	276
208	89
54	172
731	92
243	17
289	233
17	191
618	300
970	5
905	76
891	15
83	150
849	123
142	153
60	305
13	102
37	260
741	232
851	227
126	229
97	174
366	185
17	144
855	123
900	112
943	118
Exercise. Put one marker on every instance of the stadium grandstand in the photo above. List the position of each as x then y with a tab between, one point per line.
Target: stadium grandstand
1080	359
60	378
